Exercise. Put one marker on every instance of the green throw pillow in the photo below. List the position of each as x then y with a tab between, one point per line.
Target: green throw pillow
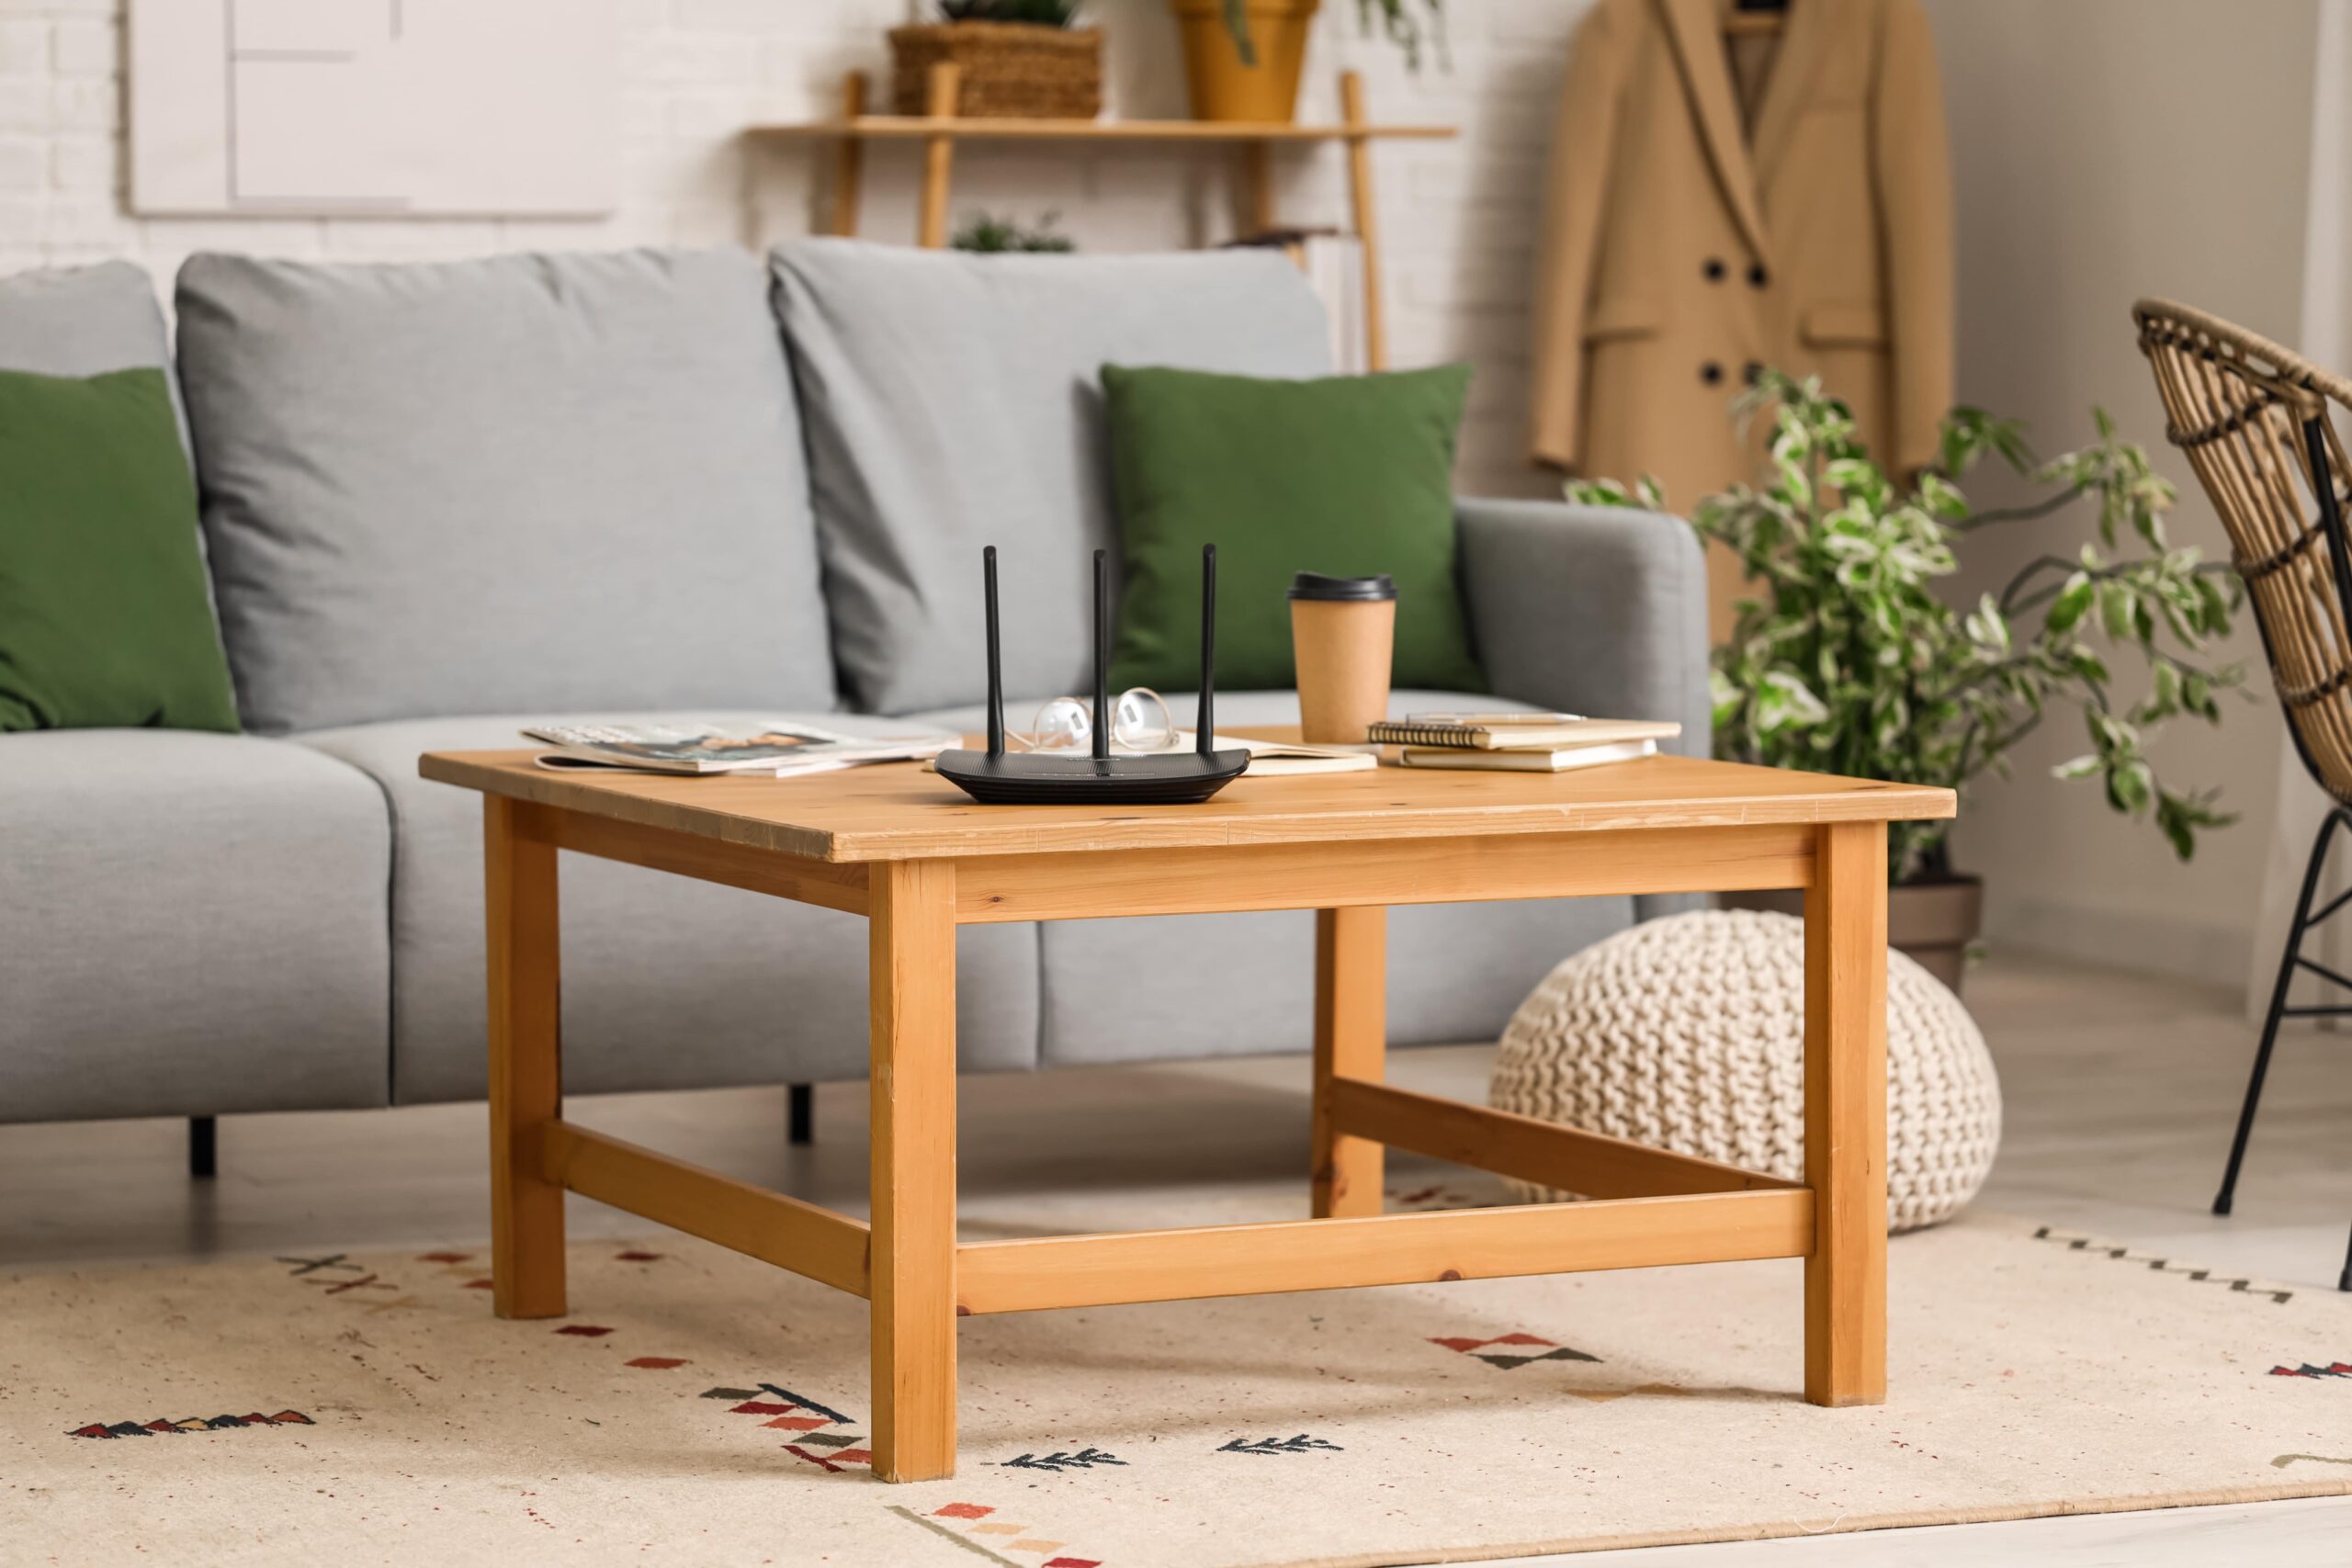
1349	476
104	615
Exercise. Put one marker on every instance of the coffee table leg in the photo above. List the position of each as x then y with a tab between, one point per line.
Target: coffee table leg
1352	1041
1844	1115
910	913
526	1061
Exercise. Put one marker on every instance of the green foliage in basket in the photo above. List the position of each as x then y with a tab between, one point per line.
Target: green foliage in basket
992	235
1851	662
1402	22
1035	13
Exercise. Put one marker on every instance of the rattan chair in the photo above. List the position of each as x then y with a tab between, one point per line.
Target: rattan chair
2255	420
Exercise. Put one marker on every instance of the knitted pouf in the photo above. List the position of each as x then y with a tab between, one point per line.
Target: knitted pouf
1688	1034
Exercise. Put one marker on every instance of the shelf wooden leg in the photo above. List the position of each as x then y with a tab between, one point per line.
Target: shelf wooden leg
849	157
1257	188
1844	1115
938	157
526	1061
1367	223
1350	1040
910	917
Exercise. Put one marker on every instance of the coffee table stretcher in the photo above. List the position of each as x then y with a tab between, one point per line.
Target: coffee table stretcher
1649	1207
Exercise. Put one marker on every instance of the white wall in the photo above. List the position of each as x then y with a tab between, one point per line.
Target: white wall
2106	150
1456	217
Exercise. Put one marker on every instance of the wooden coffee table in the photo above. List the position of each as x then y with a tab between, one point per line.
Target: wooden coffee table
904	849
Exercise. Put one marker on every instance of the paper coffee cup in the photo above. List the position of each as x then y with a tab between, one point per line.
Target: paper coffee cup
1342	633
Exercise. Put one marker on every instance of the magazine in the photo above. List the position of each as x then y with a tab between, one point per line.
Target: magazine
1278	758
781	749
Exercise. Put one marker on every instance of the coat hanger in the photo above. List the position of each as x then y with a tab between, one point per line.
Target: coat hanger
1749	18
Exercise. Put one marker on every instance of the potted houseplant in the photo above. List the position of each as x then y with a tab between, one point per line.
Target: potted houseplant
1015	59
1242	57
1849	660
990	236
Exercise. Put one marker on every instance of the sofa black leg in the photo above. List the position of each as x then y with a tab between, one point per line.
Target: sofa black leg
203	1146
801	1116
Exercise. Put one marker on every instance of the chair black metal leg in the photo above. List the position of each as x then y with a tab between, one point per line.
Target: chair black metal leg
203	1146
800	1119
2335	818
2224	1199
2344	1281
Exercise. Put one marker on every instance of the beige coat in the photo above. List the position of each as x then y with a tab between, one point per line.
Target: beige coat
1686	241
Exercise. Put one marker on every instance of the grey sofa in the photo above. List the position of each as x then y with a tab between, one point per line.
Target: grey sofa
442	501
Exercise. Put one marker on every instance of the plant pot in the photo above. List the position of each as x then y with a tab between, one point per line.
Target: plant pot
1005	70
1930	922
1221	86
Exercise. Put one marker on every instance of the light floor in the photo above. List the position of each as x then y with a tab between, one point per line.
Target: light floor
2119	1091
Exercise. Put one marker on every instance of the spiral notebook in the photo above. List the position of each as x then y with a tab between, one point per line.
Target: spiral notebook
1517	731
1517	759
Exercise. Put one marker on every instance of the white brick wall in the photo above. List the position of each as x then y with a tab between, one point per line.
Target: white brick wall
1456	218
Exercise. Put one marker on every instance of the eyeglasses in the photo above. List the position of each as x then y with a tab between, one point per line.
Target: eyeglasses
1139	722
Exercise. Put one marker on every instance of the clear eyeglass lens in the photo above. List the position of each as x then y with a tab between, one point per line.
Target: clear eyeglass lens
1062	725
1141	722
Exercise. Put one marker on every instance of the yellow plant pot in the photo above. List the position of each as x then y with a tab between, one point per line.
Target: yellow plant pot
1223	88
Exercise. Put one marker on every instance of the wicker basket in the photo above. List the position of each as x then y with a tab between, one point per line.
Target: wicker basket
1009	70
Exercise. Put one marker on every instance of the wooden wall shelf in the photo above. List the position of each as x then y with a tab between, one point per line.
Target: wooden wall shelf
942	128
909	127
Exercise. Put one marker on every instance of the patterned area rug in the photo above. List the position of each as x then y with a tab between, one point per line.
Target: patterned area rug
701	1407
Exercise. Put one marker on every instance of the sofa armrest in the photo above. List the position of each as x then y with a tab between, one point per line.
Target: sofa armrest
1591	609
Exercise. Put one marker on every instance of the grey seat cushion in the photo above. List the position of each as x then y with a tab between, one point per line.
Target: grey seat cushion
85	321
543	482
667	983
953	402
1130	989
189	923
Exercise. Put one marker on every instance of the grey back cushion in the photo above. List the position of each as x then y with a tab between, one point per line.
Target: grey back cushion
83	321
954	401
535	482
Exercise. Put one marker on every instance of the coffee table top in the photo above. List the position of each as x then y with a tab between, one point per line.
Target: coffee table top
899	811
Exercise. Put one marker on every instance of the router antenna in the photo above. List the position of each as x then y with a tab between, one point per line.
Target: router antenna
996	666
1204	716
1102	664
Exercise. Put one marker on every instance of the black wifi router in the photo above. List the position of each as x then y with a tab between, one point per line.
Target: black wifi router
996	777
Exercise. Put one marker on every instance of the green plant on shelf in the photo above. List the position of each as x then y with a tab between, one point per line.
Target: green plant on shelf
991	235
1030	13
1851	663
1411	25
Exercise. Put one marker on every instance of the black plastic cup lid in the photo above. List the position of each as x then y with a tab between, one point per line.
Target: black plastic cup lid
1358	589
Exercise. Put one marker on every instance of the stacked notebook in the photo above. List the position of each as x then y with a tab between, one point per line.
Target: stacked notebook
1520	742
